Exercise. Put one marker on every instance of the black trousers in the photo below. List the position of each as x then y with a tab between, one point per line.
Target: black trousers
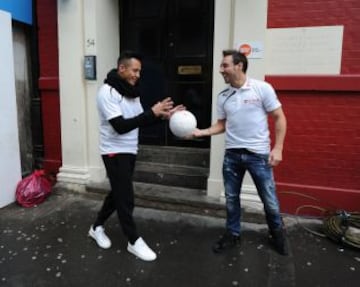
120	170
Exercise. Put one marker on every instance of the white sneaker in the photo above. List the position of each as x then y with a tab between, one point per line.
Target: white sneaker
141	250
100	237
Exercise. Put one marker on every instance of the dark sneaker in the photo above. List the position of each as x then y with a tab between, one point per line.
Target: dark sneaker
226	241
278	240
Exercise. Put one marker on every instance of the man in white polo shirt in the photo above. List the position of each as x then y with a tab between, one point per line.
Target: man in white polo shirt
121	114
243	109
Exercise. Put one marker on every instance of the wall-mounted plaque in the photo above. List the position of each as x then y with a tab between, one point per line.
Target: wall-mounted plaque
189	70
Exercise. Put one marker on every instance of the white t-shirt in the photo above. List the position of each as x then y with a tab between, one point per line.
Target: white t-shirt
111	104
245	111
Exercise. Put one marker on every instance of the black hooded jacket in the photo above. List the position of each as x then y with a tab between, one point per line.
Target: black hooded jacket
120	124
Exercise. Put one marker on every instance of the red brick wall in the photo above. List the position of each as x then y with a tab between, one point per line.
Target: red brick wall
322	145
321	164
322	149
49	83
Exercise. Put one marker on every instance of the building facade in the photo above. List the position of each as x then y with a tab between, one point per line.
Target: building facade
310	52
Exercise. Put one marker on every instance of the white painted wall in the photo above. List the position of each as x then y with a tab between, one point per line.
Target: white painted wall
304	50
223	20
10	167
86	27
235	21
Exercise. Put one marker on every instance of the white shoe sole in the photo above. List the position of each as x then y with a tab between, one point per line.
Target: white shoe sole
132	251
91	235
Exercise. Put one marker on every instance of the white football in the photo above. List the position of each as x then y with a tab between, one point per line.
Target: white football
182	123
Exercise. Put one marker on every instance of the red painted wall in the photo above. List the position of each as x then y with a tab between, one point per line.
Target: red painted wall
49	83
322	150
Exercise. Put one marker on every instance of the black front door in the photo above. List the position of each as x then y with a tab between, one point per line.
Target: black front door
175	38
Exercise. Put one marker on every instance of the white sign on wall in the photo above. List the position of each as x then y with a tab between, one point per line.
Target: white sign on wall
10	167
251	49
304	50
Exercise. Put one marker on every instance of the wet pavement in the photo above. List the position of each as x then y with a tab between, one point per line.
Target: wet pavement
48	246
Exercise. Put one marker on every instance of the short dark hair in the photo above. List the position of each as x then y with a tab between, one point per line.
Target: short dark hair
127	55
238	57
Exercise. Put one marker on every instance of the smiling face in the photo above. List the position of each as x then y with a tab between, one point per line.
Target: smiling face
231	72
129	70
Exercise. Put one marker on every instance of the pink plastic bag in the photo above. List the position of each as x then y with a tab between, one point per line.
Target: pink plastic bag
33	189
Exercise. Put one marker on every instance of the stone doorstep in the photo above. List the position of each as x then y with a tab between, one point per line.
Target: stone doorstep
178	199
178	156
171	175
180	170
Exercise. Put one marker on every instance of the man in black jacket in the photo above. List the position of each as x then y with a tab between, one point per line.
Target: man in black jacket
121	114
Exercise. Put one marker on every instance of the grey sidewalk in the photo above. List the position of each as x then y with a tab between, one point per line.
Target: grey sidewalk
47	246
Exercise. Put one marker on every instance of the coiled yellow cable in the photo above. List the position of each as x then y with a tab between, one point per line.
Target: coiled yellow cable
340	226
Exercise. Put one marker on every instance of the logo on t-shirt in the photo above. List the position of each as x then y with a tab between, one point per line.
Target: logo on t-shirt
252	101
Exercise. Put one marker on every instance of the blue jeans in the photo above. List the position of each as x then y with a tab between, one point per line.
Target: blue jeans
236	163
